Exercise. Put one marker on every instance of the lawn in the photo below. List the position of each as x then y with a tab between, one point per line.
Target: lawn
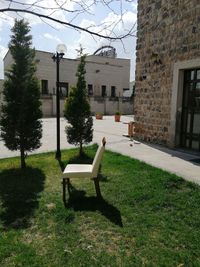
147	217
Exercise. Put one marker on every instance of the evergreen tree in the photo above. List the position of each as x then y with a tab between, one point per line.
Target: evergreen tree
20	124
77	111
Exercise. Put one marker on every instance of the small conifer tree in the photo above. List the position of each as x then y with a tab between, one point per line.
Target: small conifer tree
77	111
20	124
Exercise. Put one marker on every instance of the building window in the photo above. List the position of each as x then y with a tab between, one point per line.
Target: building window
103	90
90	89
113	91
64	88
190	125
44	87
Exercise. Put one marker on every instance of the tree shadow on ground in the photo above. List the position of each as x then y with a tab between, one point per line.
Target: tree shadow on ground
19	195
83	159
61	164
102	177
79	202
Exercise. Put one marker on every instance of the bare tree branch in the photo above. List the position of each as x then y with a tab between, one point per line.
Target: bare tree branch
65	23
67	12
35	4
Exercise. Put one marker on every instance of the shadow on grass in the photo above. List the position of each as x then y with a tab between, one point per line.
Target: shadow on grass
102	177
61	164
19	195
79	202
83	159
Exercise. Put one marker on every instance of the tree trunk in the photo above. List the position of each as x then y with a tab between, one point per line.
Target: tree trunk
81	149
23	163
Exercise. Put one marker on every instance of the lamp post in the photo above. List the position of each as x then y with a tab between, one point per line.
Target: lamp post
60	51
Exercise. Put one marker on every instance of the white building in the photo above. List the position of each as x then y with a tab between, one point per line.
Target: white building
106	77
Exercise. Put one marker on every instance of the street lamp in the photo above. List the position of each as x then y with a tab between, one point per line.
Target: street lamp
60	51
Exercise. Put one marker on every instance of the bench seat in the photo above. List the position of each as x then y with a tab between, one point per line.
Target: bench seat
78	171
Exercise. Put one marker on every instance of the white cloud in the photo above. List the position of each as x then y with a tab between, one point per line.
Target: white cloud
50	4
49	8
120	25
6	19
134	5
113	25
52	37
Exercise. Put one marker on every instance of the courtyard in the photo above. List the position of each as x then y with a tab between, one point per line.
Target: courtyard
179	162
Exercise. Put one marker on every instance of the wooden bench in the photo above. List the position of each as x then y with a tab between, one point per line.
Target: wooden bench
84	171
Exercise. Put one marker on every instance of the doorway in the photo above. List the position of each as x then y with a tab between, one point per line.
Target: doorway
190	120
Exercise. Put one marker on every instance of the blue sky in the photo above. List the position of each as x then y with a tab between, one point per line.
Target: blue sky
47	35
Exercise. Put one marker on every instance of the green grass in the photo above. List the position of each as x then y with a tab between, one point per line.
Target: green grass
147	217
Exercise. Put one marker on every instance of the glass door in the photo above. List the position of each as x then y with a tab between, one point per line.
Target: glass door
190	123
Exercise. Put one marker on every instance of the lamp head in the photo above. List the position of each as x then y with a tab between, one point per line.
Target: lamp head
61	49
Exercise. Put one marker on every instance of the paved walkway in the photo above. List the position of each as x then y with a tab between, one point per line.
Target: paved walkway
171	160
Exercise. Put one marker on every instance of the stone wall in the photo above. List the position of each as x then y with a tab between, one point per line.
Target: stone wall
47	106
168	32
106	105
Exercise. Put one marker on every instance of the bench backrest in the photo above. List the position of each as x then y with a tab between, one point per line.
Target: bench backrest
98	158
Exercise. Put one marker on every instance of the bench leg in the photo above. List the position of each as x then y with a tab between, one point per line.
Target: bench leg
66	181
97	187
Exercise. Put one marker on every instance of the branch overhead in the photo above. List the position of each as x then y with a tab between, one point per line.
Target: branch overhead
65	12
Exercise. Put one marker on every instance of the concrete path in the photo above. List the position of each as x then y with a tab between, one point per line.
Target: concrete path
180	163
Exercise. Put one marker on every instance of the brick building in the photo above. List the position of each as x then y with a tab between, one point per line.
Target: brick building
167	94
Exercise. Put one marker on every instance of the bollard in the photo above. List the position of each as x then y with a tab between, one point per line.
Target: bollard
130	129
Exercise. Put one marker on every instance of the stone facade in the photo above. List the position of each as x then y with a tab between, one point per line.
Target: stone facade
111	73
168	42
